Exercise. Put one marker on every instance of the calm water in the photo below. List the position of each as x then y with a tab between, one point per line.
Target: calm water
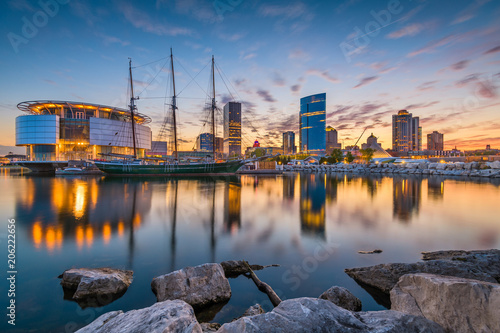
311	224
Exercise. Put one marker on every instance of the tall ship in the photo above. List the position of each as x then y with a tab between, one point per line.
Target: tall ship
131	165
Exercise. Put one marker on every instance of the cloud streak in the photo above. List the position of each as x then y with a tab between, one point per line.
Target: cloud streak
143	21
366	80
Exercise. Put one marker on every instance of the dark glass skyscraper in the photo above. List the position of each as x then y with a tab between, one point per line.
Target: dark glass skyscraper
204	142
232	129
312	120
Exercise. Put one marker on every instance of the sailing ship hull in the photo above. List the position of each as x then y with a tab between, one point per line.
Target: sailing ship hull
113	168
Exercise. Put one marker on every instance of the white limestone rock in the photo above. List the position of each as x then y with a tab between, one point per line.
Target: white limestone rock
317	315
199	286
165	317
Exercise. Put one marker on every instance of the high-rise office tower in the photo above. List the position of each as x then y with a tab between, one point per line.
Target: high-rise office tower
435	141
312	123
219	146
332	140
232	129
289	146
406	132
204	142
416	134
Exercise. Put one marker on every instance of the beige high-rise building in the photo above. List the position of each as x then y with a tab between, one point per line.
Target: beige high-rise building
332	140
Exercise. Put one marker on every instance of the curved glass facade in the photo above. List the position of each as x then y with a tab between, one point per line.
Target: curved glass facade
69	131
312	124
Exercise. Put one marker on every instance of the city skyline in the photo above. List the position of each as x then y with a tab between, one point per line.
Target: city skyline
437	60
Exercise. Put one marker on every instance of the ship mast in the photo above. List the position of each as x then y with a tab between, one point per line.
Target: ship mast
174	107
213	108
132	106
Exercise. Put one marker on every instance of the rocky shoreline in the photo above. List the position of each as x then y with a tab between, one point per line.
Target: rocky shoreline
458	169
449	291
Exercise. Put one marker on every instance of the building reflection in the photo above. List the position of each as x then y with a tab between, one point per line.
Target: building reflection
232	206
289	187
312	204
82	210
372	183
332	185
435	188
407	196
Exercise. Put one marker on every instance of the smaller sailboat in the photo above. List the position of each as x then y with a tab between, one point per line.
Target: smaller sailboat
135	167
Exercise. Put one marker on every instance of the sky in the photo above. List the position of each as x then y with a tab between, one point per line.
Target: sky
440	60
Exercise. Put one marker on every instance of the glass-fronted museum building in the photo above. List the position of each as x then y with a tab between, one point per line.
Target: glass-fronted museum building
312	124
62	130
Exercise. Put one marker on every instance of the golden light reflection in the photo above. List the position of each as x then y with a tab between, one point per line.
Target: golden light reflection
29	197
106	233
58	191
37	234
80	237
80	199
50	238
94	193
89	236
121	228
137	220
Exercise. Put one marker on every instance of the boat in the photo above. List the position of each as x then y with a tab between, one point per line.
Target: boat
135	167
77	170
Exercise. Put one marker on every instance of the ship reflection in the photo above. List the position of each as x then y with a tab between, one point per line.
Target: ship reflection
82	210
312	205
407	196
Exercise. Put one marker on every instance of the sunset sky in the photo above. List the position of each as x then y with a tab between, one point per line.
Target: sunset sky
440	60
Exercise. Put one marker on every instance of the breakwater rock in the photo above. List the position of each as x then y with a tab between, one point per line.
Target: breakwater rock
165	317
95	286
317	315
457	304
478	265
458	169
199	286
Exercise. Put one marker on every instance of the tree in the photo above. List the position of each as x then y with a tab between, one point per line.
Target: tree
259	152
367	154
337	156
349	158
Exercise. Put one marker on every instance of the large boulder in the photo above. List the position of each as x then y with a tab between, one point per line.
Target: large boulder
95	286
342	297
457	304
199	286
165	317
477	265
317	315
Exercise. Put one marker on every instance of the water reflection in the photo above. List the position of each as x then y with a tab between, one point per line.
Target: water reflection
435	188
83	210
90	210
407	196
289	187
312	204
232	206
158	225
